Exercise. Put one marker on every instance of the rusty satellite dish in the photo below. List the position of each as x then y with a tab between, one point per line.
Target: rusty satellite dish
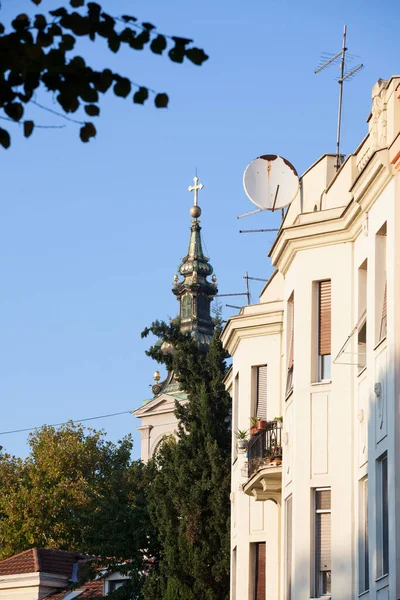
270	182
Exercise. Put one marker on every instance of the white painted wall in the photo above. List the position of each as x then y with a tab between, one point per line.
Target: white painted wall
333	430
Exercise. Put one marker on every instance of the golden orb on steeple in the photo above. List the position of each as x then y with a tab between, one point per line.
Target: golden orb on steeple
195	212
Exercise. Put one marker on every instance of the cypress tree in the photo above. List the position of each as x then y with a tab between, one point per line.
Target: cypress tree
188	480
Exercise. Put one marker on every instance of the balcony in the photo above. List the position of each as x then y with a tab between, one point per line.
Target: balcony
265	463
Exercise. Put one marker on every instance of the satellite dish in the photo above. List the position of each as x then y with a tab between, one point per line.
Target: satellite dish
270	182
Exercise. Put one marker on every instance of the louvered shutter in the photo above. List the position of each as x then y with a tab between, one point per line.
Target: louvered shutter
323	530
289	550
291	345
383	329
324	541
262	392
324	337
259	587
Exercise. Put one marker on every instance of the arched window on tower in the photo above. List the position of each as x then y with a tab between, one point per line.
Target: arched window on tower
186	307
202	307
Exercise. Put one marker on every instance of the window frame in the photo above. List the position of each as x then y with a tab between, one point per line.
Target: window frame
324	361
254	554
234	573
316	570
288	549
235	416
362	329
380	333
290	346
256	393
382	522
363	538
116	582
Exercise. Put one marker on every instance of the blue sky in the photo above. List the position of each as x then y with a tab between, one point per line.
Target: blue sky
92	234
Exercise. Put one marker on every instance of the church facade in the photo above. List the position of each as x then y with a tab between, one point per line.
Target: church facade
194	293
315	490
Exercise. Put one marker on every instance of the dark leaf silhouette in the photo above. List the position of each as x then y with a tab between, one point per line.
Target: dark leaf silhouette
38	52
87	131
141	96
161	101
92	110
5	140
28	128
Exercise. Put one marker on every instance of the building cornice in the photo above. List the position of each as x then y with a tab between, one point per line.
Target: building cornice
32	579
158	405
317	234
227	380
373	179
394	153
244	325
335	228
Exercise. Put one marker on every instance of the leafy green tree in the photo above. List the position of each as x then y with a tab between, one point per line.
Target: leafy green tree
76	491
189	477
38	53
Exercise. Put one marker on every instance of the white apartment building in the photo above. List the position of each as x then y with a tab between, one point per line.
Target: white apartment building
316	496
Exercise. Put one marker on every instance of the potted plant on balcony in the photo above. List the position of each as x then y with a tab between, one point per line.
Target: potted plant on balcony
242	441
261	424
267	456
279	421
276	460
253	425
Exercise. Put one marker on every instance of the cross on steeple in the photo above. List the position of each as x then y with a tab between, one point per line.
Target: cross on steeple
195	188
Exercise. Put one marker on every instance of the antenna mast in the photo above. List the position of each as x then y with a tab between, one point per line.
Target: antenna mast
342	79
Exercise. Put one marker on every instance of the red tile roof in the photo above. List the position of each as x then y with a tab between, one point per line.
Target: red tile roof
41	560
90	589
57	562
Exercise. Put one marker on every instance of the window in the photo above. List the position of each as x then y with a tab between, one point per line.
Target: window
258	557
383	322
261	392
290	344
288	549
234	567
380	285
363	554
186	307
324	330
322	542
362	316
382	549
235	416
115	584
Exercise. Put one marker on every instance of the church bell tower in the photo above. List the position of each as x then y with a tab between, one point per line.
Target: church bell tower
195	293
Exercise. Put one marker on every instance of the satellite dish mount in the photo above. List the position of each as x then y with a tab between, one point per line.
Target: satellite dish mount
270	182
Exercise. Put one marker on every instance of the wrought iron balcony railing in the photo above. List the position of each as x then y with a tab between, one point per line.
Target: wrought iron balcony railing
265	447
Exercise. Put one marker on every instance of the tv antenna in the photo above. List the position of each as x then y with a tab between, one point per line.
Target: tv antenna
343	77
246	277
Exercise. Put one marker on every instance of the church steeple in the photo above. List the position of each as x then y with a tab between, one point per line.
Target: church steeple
194	292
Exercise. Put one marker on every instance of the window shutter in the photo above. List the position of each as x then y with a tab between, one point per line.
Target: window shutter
291	345
289	548
324	541
383	330
324	337
262	392
260	591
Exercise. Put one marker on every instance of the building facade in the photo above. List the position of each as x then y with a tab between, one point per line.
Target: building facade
53	574
194	293
316	495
